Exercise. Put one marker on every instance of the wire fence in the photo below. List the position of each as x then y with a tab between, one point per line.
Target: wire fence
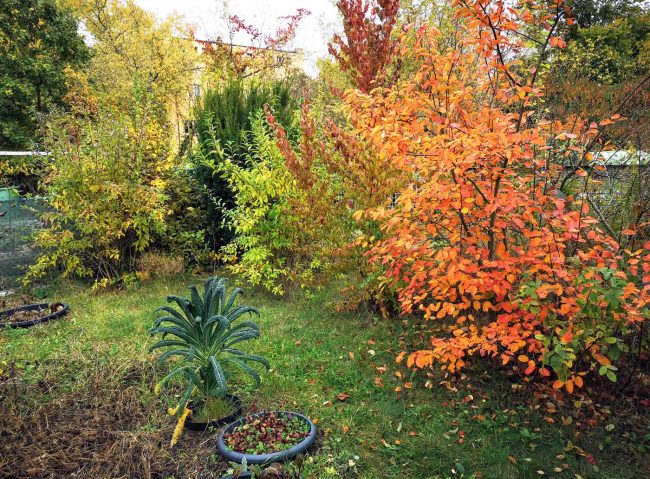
19	219
20	213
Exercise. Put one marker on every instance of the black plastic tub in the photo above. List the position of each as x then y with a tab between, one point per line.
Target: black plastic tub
202	426
279	456
34	307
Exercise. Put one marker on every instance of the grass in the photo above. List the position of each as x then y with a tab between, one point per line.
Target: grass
339	369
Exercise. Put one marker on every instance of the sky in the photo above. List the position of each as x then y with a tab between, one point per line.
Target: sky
208	17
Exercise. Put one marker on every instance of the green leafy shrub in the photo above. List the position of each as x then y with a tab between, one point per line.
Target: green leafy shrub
271	245
203	335
223	128
105	188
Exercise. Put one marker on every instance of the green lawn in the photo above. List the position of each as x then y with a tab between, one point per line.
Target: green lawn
87	380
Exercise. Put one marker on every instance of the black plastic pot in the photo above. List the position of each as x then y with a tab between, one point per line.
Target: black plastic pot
202	426
280	456
33	307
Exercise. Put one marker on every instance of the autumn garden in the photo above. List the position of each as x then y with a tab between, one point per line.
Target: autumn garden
427	258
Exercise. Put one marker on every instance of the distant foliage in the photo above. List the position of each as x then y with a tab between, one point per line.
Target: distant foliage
608	54
105	187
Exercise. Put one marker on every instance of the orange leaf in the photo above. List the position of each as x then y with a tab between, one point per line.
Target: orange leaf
557	42
569	386
531	367
604	360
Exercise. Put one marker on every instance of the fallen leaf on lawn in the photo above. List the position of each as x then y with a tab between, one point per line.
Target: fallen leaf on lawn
327	403
413	433
342	396
351	355
346	429
512	459
408	385
371	341
315	420
549	420
381	369
371	352
378	382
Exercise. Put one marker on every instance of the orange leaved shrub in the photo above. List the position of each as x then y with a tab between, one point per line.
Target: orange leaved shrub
494	235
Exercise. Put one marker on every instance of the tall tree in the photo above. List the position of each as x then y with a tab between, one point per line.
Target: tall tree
39	42
132	45
368	47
